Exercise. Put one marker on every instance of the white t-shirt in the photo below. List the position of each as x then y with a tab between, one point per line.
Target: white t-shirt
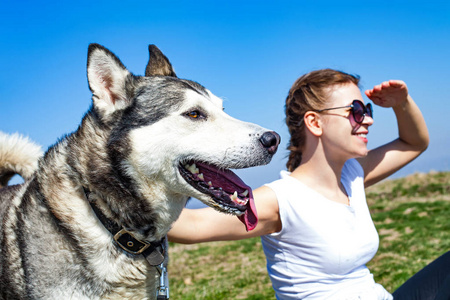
323	246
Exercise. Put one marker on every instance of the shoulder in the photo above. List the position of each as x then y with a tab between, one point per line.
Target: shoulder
267	201
281	184
353	168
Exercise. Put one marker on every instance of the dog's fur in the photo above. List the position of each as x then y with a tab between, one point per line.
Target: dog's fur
18	155
133	152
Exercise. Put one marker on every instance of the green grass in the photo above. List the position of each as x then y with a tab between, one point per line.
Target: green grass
411	215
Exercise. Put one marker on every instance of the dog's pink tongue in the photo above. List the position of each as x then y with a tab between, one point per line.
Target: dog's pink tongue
231	182
250	217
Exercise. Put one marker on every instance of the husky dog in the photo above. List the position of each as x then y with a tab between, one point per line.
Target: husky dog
90	222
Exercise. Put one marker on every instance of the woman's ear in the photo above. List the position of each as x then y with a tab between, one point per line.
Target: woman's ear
313	123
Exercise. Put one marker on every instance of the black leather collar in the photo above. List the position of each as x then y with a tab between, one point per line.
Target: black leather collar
154	253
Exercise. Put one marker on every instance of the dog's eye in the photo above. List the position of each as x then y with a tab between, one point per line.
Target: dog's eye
194	114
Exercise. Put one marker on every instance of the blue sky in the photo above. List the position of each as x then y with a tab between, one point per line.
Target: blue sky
247	52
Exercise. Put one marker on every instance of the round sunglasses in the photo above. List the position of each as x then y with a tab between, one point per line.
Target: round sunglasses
358	109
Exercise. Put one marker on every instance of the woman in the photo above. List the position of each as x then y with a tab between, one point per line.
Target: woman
315	225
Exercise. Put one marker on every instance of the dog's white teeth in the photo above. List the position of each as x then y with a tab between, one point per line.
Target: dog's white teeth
210	183
245	193
237	200
241	202
193	169
201	177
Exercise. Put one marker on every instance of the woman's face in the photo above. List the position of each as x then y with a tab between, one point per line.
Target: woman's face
341	134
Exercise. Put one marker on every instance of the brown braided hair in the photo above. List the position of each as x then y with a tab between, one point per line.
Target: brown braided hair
309	92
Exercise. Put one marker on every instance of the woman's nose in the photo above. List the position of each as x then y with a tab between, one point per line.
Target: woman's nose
368	120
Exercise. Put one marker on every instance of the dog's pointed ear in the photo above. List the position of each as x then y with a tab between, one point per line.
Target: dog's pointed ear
107	77
158	63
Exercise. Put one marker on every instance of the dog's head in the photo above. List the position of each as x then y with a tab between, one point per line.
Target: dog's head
170	136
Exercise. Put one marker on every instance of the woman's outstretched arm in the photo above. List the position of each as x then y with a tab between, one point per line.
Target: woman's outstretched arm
207	224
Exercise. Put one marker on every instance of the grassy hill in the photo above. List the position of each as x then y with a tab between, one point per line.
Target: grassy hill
412	216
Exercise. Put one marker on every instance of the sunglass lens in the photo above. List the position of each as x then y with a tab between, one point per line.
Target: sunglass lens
369	110
358	111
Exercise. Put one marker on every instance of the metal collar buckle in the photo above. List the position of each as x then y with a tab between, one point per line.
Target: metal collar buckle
129	243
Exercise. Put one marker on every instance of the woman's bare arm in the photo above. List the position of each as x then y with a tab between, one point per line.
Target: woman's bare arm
413	133
207	224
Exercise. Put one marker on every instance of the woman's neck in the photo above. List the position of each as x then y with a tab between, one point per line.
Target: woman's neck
318	173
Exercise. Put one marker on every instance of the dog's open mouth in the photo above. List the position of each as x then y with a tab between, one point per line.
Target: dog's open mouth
229	192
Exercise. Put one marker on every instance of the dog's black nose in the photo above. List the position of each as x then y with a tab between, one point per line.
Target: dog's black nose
270	140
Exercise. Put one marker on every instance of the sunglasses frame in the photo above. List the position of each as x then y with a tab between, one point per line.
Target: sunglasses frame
367	109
